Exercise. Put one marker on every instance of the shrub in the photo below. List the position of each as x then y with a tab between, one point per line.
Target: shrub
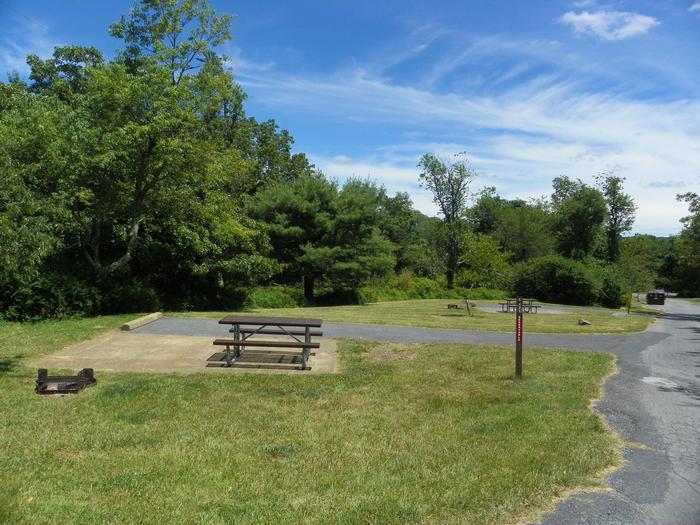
424	288
274	297
123	295
405	279
612	293
485	293
337	297
483	263
50	296
558	280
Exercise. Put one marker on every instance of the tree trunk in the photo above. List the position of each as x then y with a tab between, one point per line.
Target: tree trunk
450	274
613	247
308	288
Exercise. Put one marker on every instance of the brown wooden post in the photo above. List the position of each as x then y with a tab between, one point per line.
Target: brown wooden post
519	338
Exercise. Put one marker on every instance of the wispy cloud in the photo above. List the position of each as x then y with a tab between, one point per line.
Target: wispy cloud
517	139
667	184
694	7
235	60
27	36
609	25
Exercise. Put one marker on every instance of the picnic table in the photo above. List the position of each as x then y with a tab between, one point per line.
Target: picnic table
296	340
510	305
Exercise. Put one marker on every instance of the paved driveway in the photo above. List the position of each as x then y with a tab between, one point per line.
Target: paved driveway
653	401
405	334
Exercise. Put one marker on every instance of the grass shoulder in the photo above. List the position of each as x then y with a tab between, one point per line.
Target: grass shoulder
406	434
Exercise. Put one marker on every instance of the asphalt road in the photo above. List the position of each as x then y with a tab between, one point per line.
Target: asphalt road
405	334
653	403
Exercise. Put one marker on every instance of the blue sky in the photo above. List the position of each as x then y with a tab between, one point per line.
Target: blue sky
528	89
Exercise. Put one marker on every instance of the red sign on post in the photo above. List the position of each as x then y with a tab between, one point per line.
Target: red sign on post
519	338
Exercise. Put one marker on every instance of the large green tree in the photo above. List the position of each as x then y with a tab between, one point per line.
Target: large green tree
485	215
449	183
34	210
181	35
299	217
579	214
638	264
687	270
361	251
621	211
324	234
524	230
483	264
140	165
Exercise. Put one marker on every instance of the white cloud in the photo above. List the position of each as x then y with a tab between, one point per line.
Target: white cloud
609	25
26	37
694	7
518	139
236	61
584	3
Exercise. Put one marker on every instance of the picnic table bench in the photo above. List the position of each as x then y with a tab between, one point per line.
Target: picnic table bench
293	350
528	307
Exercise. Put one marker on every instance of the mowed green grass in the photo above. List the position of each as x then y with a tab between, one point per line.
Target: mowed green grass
433	313
405	434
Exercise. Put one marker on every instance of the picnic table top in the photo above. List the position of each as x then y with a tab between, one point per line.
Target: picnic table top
513	299
276	321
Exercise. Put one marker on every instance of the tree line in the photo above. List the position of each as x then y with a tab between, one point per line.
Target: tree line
140	182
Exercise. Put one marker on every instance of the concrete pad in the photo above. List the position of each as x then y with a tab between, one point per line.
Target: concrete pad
119	351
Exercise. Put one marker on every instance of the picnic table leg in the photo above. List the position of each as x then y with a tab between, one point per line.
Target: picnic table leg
236	348
305	353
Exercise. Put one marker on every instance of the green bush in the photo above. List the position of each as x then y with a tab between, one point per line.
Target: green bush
486	293
274	297
557	279
339	297
405	279
612	293
124	295
49	296
424	288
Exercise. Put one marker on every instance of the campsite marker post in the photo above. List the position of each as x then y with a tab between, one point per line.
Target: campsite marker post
519	338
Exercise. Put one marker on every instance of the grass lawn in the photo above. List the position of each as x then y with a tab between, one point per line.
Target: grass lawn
433	313
406	434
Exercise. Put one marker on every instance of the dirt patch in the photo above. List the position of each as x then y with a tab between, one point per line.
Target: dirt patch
394	352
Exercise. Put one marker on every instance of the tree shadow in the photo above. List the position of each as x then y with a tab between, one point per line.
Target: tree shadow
9	364
679	317
692	392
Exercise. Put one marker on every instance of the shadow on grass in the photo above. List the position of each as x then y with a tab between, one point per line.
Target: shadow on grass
9	364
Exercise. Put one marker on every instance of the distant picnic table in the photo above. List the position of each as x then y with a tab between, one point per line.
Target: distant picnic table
294	348
528	307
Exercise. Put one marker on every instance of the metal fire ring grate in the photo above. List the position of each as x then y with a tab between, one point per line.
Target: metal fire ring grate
46	384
